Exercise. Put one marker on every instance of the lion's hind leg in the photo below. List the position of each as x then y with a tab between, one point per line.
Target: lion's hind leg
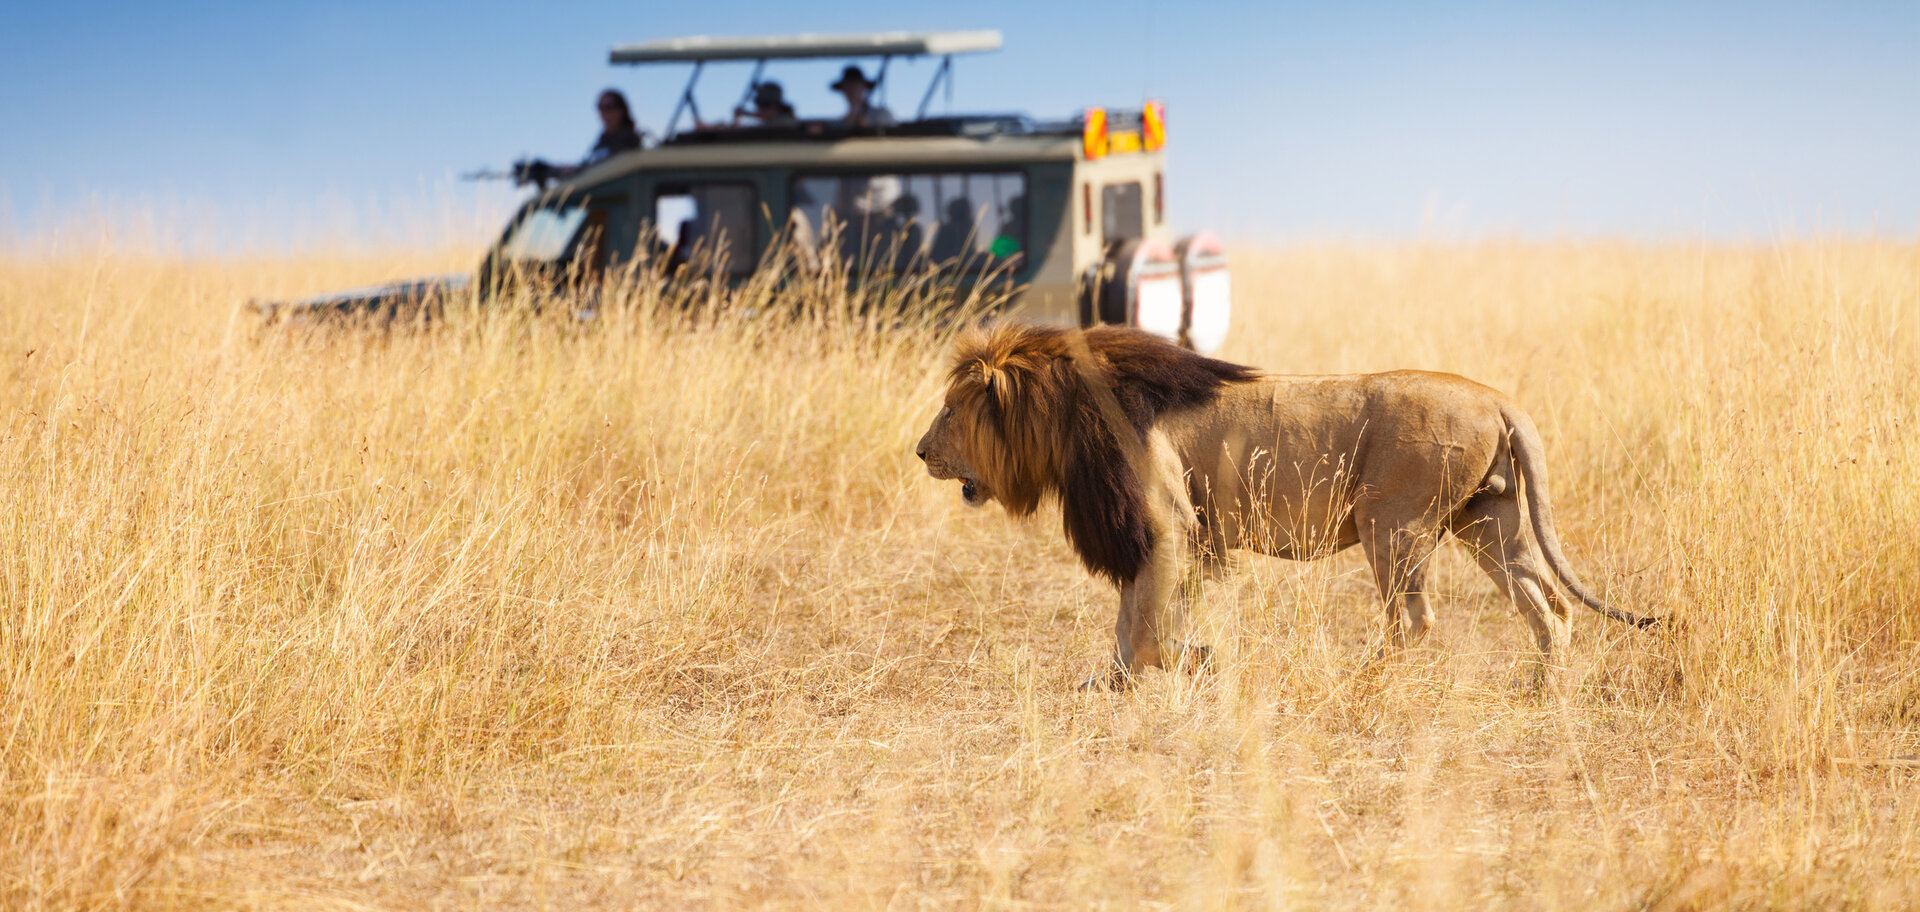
1493	527
1398	544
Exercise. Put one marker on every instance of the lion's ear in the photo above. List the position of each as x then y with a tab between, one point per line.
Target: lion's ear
991	380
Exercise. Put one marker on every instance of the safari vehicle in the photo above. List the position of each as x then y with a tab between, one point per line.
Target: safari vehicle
1071	213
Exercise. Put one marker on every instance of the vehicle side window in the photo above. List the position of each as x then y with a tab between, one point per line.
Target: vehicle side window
878	222
1121	216
708	224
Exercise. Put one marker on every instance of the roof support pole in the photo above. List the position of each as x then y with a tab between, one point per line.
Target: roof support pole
686	99
944	73
753	82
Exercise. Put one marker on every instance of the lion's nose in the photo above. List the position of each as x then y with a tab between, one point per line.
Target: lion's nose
921	452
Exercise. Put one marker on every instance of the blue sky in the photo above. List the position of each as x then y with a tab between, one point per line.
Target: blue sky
276	123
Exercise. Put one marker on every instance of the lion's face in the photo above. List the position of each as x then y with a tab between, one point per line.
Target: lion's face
940	448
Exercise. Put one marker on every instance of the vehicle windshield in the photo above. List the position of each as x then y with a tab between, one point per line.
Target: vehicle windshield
543	235
970	221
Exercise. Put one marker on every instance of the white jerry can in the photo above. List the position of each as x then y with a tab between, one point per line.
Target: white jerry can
1206	288
1183	294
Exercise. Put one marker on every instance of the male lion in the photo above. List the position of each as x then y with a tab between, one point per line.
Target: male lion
1163	460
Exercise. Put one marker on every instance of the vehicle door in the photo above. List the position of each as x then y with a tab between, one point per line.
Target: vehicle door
707	223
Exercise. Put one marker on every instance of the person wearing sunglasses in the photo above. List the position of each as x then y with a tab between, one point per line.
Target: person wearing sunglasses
618	133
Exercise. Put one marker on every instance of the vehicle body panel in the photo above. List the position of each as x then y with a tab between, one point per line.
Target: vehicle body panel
1065	234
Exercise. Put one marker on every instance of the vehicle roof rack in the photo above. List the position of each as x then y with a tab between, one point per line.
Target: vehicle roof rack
701	48
964	125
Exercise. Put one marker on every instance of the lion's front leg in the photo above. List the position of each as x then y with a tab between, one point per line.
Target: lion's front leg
1141	638
1136	634
1148	600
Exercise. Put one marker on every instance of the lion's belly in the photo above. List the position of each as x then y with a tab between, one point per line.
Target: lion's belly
1271	465
1295	510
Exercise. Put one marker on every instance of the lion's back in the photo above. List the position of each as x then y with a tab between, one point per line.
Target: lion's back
1425	397
1280	425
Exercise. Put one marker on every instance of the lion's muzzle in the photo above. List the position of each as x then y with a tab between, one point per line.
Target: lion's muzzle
971	491
944	463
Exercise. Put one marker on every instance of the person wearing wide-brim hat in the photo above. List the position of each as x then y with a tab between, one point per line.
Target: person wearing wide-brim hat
858	89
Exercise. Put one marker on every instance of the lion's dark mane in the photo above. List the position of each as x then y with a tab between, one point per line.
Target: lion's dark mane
1048	394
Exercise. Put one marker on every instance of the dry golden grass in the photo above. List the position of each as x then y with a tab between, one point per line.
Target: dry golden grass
514	614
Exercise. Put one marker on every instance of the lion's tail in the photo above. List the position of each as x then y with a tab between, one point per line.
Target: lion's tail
1529	456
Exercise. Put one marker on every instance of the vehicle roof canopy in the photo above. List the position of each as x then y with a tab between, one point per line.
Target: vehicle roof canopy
802	47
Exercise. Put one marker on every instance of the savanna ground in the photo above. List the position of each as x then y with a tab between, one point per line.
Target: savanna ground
516	614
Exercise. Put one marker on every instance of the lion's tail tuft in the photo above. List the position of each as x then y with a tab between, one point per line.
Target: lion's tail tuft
1529	456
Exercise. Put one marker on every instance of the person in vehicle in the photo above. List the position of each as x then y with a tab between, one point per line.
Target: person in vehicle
903	232
954	238
858	89
618	133
1013	218
770	108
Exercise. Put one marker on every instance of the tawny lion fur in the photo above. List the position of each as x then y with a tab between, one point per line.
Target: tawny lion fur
1163	460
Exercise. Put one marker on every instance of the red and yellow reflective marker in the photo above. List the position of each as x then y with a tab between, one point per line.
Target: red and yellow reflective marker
1093	133
1153	125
